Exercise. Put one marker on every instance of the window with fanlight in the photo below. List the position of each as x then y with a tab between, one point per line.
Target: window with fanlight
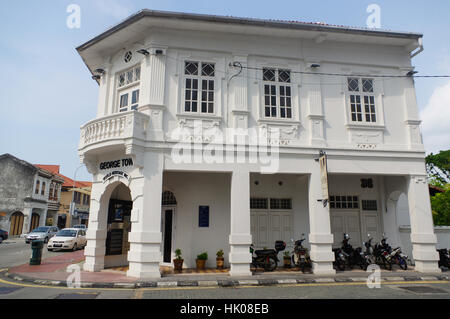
277	93
128	89
361	100
199	87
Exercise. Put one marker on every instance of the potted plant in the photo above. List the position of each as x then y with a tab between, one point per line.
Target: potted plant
178	261
201	260
219	259
287	259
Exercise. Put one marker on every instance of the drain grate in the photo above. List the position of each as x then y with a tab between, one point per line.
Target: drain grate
425	290
8	290
77	296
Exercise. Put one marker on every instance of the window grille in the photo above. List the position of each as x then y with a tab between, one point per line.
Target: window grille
344	202
258	203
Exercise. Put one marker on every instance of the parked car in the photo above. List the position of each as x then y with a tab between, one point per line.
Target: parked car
80	226
68	238
41	233
3	235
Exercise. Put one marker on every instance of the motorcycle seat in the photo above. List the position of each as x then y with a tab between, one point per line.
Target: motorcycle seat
263	252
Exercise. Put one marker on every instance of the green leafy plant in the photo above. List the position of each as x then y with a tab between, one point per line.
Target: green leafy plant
202	256
286	254
178	254
219	253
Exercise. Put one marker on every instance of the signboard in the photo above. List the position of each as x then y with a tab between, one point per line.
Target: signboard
203	216
324	178
125	162
115	173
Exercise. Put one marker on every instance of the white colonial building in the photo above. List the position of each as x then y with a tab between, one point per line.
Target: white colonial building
171	85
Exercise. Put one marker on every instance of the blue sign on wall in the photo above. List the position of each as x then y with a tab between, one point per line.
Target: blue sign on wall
203	216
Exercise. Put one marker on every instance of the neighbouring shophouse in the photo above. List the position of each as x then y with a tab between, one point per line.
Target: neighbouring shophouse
217	132
76	193
29	196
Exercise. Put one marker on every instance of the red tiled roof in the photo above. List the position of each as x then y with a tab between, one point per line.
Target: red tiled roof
68	182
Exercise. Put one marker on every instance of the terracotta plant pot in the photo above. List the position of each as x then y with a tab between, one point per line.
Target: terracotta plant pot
200	264
220	262
178	265
287	262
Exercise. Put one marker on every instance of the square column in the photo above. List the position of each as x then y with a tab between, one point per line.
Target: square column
240	236
320	236
96	233
423	238
145	255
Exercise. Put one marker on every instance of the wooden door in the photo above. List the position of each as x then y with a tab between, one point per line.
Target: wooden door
34	221
16	224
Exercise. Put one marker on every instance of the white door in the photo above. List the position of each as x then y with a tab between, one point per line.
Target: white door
371	226
345	222
269	226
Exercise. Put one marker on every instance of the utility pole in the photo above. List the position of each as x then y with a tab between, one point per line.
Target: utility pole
72	203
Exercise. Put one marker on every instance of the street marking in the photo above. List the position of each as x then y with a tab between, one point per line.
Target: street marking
195	288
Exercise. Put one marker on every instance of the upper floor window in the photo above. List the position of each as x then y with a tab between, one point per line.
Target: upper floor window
43	188
36	191
199	87
55	194
277	93
128	89
362	99
50	193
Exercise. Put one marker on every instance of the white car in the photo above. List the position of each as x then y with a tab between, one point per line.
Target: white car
68	238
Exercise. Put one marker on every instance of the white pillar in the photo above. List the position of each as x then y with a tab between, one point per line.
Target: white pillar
320	236
423	238
27	212
96	232
240	236
145	237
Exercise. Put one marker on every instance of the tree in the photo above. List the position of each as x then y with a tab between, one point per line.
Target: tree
440	205
438	168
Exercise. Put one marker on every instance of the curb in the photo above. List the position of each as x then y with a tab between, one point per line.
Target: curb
221	283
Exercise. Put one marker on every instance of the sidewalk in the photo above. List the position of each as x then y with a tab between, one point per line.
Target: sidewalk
53	272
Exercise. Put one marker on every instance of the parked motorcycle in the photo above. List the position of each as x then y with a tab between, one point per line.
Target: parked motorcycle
267	258
444	258
339	259
300	255
396	256
381	252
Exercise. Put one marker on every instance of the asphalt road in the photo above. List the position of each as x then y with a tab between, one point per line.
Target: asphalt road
407	290
15	252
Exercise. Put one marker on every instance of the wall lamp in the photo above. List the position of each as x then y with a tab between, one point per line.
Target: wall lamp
411	73
96	77
99	71
314	65
143	51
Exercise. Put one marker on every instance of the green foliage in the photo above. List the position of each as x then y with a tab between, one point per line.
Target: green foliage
202	256
440	205
286	253
438	167
219	253
178	254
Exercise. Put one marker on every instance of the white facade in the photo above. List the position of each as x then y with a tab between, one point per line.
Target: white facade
377	138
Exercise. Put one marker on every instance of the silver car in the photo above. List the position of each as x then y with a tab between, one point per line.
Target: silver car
41	233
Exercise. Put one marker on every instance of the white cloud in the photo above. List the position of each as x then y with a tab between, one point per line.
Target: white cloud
114	8
436	120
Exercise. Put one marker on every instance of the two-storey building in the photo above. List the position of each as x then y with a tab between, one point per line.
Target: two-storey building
211	133
29	195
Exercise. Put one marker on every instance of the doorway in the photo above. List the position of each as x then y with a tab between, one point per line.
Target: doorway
34	221
16	224
168	226
169	203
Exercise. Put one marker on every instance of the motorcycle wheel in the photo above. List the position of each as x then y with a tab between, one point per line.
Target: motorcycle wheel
387	265
402	263
340	265
270	264
294	260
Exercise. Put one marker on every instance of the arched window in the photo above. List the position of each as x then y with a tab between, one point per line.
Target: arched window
36	191
43	188
168	198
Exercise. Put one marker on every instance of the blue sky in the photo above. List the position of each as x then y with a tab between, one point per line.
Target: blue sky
47	92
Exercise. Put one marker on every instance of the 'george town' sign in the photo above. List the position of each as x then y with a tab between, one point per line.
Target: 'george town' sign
117	163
